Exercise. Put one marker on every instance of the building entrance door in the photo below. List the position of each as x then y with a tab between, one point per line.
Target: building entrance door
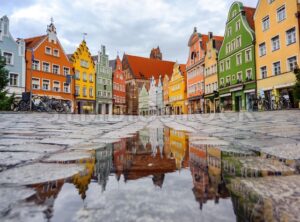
238	103
78	107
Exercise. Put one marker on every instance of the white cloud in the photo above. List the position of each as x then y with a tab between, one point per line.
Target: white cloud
133	26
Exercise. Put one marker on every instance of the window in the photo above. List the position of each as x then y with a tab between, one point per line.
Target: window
248	55
292	63
291	36
238	41
239	76
56	52
281	14
276	68
249	74
222	81
227	79
84	63
36	65
46	67
238	25
35	83
77	90
222	66
84	91
263	72
91	78
77	74
91	92
266	23
233	77
239	59
46	84
229	31
55	69
228	64
56	86
66	88
66	71
8	58
13	79
84	77
275	43
262	49
99	93
48	50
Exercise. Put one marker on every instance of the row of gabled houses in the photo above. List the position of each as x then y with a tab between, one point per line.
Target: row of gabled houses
255	58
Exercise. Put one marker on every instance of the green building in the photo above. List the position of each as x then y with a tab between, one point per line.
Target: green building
144	101
103	83
237	74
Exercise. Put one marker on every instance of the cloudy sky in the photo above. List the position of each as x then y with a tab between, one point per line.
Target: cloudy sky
130	26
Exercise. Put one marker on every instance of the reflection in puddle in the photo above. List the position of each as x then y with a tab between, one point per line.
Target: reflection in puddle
158	173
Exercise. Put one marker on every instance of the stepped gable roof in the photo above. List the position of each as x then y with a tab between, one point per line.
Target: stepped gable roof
249	13
144	68
34	41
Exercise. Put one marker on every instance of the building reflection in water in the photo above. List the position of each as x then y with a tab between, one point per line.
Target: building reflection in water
149	153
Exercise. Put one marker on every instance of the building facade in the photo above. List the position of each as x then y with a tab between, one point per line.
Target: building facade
48	69
138	71
14	54
85	79
211	74
166	81
144	101
119	87
277	48
177	90
152	97
159	97
195	72
104	104
237	85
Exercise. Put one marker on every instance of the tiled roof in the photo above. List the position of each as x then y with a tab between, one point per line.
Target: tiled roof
249	12
183	71
33	42
218	44
205	39
144	68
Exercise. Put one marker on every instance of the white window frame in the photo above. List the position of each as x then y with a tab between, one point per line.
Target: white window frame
53	85
39	64
238	26
91	78
11	59
295	37
77	90
237	76
265	49
77	77
17	79
273	68
49	86
261	73
91	89
288	64
47	47
273	50
43	67
265	28
65	67
239	62
84	91
58	69
277	15
69	90
250	53
57	52
250	69
39	86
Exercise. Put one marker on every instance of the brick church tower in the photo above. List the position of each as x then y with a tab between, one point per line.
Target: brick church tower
156	54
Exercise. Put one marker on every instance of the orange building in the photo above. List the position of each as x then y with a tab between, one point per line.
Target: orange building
48	69
195	71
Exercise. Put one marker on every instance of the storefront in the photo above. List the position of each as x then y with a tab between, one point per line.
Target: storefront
196	105
85	107
225	102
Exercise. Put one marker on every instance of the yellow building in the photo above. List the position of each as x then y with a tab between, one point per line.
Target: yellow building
85	79
177	90
179	147
277	47
211	73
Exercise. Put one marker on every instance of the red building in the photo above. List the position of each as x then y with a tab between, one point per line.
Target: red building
119	92
48	69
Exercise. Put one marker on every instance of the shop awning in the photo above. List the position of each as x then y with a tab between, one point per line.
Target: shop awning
249	91
236	89
284	85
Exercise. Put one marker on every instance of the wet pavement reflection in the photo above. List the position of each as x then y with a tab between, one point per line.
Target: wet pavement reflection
158	174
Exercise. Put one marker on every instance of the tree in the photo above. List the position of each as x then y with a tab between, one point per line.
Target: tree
5	101
297	85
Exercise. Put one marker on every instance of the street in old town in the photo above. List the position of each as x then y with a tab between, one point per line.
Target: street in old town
214	167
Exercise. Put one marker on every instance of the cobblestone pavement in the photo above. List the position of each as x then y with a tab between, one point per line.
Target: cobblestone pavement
33	148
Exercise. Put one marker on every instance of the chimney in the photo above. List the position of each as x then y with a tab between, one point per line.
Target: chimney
210	35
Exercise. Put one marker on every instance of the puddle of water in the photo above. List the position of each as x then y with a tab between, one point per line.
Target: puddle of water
157	175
